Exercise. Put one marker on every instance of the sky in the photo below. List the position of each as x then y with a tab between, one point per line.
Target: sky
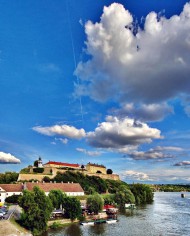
97	81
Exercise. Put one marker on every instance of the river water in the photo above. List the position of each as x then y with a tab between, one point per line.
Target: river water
168	215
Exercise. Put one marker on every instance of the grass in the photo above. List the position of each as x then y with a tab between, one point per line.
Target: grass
20	228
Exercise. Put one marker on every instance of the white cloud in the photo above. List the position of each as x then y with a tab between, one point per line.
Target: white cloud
89	153
118	134
134	175
149	155
150	66
182	163
62	140
168	148
144	112
156	153
63	130
49	68
7	158
166	175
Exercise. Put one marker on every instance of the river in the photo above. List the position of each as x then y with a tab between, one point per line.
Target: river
168	215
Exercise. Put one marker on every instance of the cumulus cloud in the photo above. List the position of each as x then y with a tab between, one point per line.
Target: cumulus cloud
121	134
149	155
89	153
157	153
134	175
144	112
167	175
63	130
150	66
182	163
7	158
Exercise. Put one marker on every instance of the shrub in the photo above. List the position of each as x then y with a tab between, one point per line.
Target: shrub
38	170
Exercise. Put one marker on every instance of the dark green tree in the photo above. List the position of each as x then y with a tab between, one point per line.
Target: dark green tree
95	203
36	163
12	199
37	209
109	171
8	177
143	193
57	197
72	208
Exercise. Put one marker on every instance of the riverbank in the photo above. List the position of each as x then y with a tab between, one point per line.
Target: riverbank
11	228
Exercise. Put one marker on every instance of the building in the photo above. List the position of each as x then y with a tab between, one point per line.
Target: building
55	164
95	168
71	189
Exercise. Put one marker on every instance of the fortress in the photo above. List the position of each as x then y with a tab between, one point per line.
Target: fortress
39	170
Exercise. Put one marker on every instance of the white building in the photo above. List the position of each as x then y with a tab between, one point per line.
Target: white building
71	189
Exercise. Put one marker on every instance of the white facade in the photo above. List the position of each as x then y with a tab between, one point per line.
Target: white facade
4	194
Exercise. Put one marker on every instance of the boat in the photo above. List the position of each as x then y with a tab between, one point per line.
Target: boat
130	206
100	221
111	221
87	223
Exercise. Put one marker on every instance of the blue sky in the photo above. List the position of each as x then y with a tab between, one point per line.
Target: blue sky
99	81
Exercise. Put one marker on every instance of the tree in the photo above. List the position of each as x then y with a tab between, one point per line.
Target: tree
109	171
143	193
8	177
36	163
12	199
57	198
124	195
82	167
46	179
72	207
95	203
37	208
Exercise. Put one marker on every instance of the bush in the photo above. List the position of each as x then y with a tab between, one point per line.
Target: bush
13	199
38	170
109	171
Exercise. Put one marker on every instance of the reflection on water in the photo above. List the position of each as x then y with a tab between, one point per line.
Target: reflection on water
169	215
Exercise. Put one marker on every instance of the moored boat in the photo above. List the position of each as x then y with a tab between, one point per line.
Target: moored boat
111	221
130	206
87	223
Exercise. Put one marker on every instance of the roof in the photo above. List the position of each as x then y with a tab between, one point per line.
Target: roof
108	207
47	187
12	187
62	164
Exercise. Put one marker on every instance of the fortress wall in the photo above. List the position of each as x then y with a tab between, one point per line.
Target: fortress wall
28	177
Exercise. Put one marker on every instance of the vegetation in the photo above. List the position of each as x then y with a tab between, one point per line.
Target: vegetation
46	179
57	198
38	170
95	203
25	171
56	225
172	188
72	208
124	195
12	199
37	208
8	177
36	163
143	193
109	199
109	171
89	183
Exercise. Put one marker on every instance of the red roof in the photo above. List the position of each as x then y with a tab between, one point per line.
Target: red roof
63	164
108	207
12	187
46	187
